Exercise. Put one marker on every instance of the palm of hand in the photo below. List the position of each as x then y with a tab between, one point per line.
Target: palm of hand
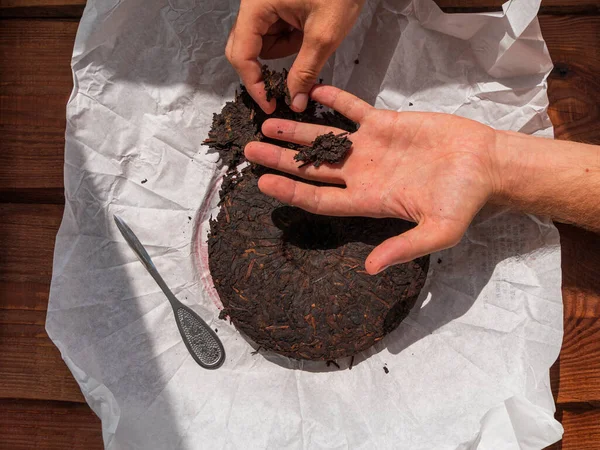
432	169
417	167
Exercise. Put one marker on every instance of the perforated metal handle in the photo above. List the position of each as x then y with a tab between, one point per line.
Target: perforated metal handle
200	340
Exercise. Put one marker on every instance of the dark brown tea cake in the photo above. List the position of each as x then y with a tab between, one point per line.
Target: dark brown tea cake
291	281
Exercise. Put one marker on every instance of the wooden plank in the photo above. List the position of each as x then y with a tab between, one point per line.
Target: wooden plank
577	373
44	425
574	85
42	8
582	429
30	365
35	83
27	243
36	55
581	268
579	363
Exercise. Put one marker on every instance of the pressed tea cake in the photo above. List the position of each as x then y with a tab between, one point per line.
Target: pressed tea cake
292	281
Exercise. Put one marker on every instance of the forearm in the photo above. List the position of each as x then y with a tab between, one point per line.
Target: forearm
559	179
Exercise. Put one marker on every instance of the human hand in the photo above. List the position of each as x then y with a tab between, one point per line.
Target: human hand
437	170
278	28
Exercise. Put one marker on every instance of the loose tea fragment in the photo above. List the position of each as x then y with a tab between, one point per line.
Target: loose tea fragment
291	281
331	362
233	128
276	84
329	148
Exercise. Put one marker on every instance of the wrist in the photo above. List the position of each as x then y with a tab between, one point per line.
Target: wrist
509	165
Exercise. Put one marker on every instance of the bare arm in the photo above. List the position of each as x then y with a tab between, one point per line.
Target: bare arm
559	179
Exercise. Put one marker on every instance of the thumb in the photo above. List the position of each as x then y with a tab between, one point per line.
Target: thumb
315	50
425	238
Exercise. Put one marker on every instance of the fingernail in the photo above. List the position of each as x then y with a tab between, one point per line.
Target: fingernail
300	101
381	270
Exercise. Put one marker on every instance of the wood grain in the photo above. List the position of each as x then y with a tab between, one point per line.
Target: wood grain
574	84
30	364
45	425
42	8
27	243
577	372
27	357
35	84
579	363
584	429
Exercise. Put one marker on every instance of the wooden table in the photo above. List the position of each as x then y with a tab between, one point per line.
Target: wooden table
41	406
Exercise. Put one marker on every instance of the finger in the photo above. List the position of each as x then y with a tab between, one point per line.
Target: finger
296	132
282	159
331	201
317	46
343	102
425	238
277	46
243	48
279	27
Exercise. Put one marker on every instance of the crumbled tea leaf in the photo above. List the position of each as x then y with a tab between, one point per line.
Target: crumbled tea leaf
275	84
332	362
232	129
328	148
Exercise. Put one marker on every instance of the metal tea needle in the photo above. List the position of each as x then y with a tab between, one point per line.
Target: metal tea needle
201	341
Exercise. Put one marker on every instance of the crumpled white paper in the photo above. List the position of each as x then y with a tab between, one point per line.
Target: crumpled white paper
468	368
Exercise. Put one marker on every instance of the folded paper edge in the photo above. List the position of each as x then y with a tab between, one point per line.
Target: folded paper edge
530	426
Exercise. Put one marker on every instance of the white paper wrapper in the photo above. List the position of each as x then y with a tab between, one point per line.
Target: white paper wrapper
468	368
